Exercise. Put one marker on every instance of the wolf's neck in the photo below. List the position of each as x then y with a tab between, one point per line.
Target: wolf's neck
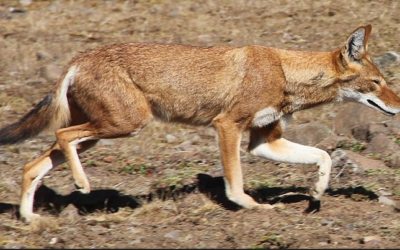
310	78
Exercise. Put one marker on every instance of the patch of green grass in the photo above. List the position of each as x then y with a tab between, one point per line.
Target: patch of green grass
396	140
140	169
265	183
375	156
355	146
270	241
184	171
376	172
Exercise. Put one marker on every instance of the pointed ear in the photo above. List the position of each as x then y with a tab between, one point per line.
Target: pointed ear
356	45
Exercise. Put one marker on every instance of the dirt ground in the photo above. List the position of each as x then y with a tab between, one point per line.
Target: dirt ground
163	188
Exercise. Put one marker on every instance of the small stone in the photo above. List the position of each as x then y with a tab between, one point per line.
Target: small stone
53	241
185	146
171	139
70	213
14	246
25	2
172	235
385	200
169	171
266	224
384	193
137	241
109	159
394	160
327	222
329	143
371	241
106	142
323	244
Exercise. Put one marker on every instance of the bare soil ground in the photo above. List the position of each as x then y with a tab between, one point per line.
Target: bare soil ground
163	188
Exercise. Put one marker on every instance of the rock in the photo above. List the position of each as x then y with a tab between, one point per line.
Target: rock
70	213
170	138
185	146
360	132
329	143
385	200
387	59
345	158
13	245
382	192
109	159
51	72
169	171
394	160
383	145
366	132
323	244
393	126
308	133
106	142
371	241
53	241
327	222
172	235
355	114
25	2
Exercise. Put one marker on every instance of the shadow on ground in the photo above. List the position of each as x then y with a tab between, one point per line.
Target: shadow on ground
110	200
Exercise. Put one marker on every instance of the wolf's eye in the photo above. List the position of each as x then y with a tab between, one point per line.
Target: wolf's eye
376	81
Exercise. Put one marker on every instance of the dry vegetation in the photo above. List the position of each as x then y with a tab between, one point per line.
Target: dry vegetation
179	208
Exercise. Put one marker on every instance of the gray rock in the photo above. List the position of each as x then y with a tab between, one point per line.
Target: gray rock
172	235
371	241
355	114
12	245
394	160
366	132
393	126
382	192
185	146
383	145
361	132
106	142
385	200
308	133
356	163
170	138
169	171
329	143
25	2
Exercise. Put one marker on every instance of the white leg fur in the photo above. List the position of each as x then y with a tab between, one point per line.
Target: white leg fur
286	151
26	206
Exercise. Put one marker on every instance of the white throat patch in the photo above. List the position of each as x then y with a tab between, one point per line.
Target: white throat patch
265	116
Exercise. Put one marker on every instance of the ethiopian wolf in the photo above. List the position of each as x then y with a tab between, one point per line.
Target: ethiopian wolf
114	91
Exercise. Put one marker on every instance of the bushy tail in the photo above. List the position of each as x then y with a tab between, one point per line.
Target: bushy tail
51	113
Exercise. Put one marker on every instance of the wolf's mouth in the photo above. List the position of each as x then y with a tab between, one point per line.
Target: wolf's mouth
376	105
